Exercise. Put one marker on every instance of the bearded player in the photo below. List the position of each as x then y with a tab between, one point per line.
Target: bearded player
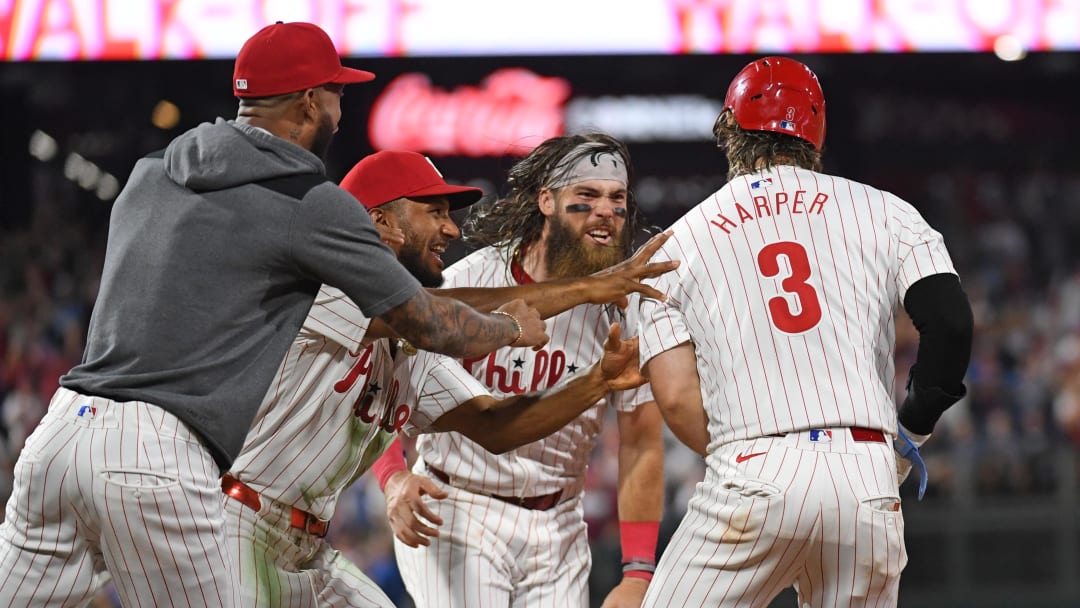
341	395
511	530
773	358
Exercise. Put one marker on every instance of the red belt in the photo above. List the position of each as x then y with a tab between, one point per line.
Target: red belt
301	520
534	503
858	433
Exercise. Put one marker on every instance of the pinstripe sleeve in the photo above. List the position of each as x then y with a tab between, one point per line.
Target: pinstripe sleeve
662	325
335	316
442	384
627	401
921	249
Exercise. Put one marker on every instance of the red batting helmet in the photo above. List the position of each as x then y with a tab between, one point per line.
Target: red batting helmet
780	95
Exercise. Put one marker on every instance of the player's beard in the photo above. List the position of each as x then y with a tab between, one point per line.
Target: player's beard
412	256
568	257
324	134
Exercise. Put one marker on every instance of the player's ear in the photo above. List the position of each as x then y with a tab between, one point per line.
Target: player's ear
379	216
547	201
385	217
311	105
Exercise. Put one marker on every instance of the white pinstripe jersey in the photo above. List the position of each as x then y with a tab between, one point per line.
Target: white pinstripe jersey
335	405
558	461
788	286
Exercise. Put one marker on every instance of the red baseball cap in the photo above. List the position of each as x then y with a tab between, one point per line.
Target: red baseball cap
392	174
286	57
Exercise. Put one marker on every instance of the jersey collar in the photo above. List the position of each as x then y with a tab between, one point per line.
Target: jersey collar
517	270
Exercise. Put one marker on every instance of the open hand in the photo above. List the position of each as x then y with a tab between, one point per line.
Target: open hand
620	366
409	515
614	283
903	469
393	237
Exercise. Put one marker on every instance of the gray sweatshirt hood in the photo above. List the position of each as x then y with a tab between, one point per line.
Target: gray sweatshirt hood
227	153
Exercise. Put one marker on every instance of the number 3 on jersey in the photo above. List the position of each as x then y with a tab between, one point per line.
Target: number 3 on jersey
808	304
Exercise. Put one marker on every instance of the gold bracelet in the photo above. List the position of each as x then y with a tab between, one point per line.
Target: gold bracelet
517	324
407	348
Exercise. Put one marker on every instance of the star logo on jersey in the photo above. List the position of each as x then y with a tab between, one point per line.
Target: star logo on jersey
820	435
382	412
521	374
741	458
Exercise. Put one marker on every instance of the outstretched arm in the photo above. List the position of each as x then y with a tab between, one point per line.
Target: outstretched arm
453	328
607	286
550	298
677	388
500	426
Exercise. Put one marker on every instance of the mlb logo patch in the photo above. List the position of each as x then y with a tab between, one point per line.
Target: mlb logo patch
787	125
820	435
87	411
241	84
761	183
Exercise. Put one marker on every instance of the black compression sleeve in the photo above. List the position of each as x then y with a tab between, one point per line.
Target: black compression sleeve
941	313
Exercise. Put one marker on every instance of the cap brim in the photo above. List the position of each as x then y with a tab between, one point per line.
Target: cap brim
459	196
350	76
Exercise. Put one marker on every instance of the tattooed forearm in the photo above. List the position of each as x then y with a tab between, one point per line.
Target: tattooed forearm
450	327
549	298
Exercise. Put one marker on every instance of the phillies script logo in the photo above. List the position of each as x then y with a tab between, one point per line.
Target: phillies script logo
511	112
547	369
393	417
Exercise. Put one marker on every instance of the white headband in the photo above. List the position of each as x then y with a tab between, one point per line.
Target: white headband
593	162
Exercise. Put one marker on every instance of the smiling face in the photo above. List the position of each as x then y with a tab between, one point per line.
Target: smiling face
428	229
585	225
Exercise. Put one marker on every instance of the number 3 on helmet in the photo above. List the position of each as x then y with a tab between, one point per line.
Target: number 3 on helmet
780	95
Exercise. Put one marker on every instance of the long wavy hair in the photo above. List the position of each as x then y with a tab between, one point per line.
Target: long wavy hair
746	149
517	216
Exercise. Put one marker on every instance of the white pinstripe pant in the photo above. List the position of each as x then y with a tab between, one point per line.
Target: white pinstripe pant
282	567
122	487
491	554
822	516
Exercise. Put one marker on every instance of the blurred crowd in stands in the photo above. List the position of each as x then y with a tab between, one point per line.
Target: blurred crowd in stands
1014	240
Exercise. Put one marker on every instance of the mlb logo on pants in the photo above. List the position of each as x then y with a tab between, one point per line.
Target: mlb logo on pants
820	435
87	410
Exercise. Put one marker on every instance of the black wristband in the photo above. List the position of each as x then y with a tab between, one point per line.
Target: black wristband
923	406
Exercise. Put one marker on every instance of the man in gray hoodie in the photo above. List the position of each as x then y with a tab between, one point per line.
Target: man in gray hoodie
216	249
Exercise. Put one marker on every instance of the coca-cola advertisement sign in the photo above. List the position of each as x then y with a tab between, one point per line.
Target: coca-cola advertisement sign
509	113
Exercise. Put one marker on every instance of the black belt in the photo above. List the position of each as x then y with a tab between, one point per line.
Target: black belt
534	503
